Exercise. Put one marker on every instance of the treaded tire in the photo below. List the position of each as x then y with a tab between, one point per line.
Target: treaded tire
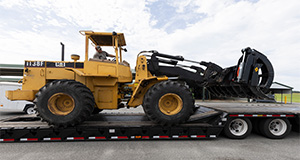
83	102
238	128
97	111
280	129
29	109
255	125
157	91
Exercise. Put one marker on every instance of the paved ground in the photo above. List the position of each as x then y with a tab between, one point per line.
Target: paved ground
254	147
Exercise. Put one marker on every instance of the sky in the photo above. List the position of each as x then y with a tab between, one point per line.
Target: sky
200	30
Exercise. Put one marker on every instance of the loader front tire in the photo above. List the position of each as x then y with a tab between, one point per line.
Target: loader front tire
97	111
64	103
168	103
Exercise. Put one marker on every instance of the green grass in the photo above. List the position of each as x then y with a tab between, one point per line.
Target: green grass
296	97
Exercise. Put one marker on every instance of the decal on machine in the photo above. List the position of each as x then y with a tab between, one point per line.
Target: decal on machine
53	64
34	64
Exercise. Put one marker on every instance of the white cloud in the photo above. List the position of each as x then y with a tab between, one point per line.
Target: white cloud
180	5
10	3
269	26
212	7
38	17
54	22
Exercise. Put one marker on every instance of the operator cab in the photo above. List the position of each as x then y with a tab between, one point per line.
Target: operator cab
113	39
117	69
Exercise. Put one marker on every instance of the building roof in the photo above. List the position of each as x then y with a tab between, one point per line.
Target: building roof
277	85
11	72
11	69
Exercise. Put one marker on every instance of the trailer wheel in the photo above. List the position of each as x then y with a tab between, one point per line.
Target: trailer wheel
255	125
238	128
64	103
168	103
275	128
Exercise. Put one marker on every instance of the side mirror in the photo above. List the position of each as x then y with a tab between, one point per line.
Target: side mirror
124	49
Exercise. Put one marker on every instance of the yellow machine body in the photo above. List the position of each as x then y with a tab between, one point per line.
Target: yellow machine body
106	79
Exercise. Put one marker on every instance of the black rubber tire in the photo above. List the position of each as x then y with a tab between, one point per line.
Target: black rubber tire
255	125
247	128
296	124
265	128
153	95
97	110
83	100
28	109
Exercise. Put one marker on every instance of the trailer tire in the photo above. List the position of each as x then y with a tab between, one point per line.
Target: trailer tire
275	128
238	128
64	103
296	124
255	125
168	103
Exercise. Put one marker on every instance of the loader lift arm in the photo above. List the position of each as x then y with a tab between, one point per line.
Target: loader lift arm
250	78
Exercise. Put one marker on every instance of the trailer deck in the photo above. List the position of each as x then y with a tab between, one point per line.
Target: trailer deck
207	122
129	126
253	108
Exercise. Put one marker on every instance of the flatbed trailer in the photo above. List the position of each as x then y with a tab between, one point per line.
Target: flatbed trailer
236	120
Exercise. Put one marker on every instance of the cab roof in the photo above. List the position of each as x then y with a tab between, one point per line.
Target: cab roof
104	38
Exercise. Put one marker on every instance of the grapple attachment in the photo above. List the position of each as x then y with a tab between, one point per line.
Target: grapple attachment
250	78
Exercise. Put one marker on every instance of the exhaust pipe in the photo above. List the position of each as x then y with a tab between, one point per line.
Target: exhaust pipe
62	51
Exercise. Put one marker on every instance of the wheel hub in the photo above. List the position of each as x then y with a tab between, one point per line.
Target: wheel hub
61	104
30	110
238	127
170	104
277	127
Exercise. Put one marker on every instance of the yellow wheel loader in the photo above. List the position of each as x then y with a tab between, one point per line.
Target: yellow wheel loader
67	93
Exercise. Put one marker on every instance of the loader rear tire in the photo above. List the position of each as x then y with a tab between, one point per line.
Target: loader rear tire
64	103
168	103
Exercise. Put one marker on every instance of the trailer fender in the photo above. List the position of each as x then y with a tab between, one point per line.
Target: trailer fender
141	89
